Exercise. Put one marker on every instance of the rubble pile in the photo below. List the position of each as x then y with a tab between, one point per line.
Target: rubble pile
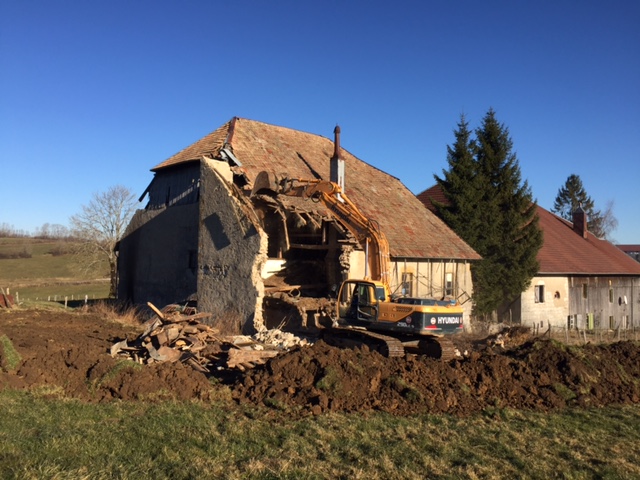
279	339
176	334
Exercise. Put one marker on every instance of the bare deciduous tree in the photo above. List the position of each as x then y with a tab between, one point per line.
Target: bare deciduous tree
609	221
100	225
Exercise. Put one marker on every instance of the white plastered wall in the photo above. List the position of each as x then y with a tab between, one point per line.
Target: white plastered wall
554	309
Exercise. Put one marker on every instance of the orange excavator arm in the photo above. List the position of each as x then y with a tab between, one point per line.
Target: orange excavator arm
365	230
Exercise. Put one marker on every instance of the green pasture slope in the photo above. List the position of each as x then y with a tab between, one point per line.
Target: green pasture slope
38	269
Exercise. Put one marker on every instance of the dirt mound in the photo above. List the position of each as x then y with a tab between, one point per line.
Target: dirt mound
69	353
540	374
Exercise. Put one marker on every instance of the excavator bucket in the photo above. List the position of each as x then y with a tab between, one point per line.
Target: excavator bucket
265	182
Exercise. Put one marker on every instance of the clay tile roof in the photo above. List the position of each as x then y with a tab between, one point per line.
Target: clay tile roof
412	231
565	251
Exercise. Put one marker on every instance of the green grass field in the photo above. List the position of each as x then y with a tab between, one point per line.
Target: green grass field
46	269
44	436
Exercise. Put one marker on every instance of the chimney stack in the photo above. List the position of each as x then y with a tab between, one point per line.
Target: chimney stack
580	222
336	164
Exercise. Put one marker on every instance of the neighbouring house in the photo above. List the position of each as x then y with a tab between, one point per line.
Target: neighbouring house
583	281
632	250
263	259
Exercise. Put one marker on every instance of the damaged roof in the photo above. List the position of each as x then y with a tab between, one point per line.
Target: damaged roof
565	251
412	231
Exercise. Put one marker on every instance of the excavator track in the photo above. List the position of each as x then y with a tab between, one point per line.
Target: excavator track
448	350
352	337
440	348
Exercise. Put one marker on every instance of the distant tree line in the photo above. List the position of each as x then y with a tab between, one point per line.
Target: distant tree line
9	231
53	231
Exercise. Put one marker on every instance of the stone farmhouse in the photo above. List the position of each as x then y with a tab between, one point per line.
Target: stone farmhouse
204	237
583	282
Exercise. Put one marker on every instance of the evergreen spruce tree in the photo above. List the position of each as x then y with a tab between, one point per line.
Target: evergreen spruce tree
512	237
573	195
493	211
461	186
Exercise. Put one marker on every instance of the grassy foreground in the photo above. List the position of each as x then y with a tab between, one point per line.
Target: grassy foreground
44	437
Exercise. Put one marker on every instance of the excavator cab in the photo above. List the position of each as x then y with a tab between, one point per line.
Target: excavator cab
366	303
359	301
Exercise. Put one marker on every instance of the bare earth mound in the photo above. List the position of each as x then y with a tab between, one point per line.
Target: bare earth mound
69	353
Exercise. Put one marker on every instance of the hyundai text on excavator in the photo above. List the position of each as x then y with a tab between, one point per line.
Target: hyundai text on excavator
366	312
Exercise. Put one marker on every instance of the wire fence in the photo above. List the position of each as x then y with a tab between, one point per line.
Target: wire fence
576	336
72	300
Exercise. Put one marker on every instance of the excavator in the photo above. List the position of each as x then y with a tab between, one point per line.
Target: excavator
366	311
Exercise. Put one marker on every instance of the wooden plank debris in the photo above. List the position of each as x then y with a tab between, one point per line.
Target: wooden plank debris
249	358
176	334
156	311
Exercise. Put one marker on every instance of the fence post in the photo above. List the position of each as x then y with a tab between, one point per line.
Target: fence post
65	302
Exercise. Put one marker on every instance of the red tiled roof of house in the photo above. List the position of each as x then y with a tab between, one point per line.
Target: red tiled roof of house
412	231
565	251
428	196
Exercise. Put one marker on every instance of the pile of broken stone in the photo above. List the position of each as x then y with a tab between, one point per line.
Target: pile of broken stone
176	334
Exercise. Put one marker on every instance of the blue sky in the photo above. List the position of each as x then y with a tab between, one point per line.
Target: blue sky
96	93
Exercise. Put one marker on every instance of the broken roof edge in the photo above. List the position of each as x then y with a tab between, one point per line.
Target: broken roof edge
198	153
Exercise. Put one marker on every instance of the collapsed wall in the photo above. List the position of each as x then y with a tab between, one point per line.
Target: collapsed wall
202	238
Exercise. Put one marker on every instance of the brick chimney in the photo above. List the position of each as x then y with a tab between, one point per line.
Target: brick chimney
580	222
336	164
